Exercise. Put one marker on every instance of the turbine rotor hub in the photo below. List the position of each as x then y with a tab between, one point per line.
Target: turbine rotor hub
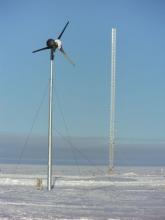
51	43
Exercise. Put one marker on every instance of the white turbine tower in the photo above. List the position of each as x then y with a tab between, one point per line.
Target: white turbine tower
52	45
112	107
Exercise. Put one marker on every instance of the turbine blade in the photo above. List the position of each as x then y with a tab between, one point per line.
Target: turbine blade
66	56
63	30
44	48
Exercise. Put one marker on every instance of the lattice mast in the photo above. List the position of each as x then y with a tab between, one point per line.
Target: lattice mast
112	103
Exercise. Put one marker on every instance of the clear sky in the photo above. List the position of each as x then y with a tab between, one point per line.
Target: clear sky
84	90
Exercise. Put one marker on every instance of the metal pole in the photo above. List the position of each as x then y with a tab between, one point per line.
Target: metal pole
112	107
49	177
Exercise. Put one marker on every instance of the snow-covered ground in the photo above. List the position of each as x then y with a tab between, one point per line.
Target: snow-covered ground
82	193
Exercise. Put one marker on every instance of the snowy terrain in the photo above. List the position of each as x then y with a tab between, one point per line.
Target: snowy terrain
82	193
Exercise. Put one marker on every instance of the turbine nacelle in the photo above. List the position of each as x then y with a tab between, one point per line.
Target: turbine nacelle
51	43
59	43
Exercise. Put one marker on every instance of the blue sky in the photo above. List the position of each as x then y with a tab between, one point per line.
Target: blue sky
84	91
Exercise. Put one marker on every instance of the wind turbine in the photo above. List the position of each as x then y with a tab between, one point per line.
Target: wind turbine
52	45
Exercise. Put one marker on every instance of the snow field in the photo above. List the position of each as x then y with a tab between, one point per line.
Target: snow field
127	194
